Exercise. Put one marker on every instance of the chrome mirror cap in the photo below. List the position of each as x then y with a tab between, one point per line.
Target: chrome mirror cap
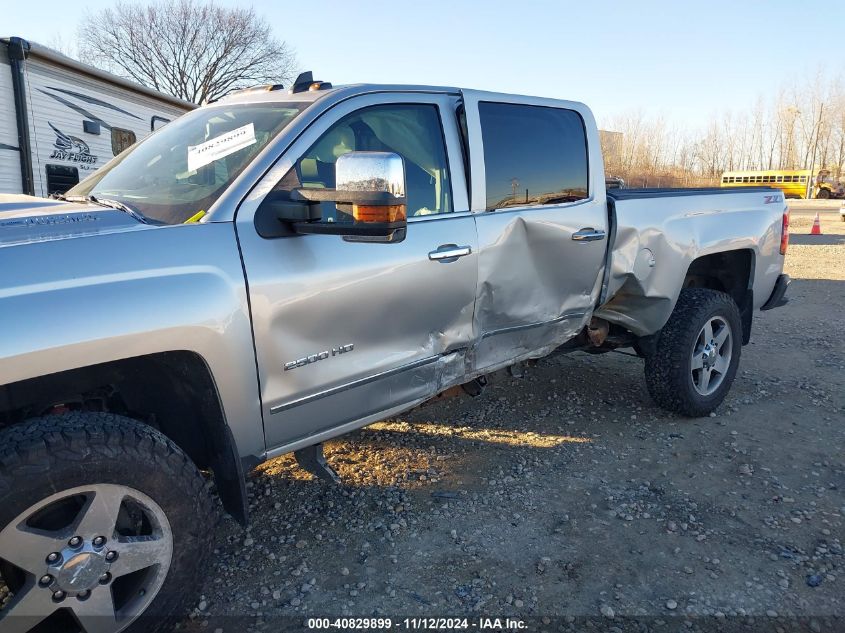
371	172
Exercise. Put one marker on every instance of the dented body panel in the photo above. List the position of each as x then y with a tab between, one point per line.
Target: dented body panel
536	285
311	336
658	236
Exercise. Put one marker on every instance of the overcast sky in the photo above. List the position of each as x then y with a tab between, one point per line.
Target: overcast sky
684	60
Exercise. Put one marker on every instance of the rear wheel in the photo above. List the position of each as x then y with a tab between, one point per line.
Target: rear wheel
823	194
104	526
697	353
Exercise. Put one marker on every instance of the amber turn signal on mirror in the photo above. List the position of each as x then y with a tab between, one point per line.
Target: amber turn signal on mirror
370	214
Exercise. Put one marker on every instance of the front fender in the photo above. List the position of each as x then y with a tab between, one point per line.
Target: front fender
81	301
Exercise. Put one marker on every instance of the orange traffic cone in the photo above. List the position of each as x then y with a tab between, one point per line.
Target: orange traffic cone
817	227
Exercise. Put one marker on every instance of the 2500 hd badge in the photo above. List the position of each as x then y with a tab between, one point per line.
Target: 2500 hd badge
335	351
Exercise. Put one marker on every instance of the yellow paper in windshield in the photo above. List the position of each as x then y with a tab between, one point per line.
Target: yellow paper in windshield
220	146
196	217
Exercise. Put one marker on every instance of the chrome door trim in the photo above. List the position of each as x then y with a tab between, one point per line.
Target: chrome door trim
533	207
529	326
351	385
438	216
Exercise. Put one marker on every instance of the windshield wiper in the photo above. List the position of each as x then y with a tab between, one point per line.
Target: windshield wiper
111	204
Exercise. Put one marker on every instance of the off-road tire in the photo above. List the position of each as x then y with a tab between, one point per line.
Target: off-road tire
823	194
668	369
45	455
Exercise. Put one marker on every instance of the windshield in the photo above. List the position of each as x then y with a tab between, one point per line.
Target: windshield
181	170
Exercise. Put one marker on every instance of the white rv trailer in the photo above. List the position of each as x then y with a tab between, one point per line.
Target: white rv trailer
60	120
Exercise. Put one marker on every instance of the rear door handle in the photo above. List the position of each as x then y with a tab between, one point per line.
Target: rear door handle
449	252
588	235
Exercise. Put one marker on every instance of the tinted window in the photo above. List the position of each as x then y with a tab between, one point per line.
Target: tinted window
412	131
533	155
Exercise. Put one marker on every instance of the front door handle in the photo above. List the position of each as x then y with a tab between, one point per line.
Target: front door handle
449	252
588	235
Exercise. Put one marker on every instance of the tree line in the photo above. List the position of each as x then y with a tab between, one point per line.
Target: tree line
801	127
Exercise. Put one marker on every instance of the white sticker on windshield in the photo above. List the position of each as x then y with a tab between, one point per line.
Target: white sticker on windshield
220	146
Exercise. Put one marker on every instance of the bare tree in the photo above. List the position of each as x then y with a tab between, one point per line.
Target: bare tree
191	49
801	127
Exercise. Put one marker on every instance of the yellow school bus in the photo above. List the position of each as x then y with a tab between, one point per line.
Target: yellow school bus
793	182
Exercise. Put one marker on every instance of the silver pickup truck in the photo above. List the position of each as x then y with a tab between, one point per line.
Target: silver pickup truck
283	266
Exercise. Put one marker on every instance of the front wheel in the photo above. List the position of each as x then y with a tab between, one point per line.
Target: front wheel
104	526
697	353
823	194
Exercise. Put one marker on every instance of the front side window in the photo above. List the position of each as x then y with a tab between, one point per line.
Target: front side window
533	155
411	130
184	167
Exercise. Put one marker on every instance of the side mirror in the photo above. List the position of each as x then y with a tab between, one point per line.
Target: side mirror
371	185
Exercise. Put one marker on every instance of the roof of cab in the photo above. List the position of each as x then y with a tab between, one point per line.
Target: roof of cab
282	94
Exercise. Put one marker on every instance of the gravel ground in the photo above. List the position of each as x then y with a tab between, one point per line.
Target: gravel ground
567	494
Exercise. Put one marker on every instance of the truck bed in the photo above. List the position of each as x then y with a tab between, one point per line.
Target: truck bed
657	234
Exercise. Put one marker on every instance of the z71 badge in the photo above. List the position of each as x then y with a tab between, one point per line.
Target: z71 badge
773	199
335	351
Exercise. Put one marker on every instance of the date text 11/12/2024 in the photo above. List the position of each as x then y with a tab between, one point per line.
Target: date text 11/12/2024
421	624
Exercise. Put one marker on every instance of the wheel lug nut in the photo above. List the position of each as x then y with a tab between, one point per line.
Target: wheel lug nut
45	580
53	558
99	541
76	541
111	556
105	578
58	596
83	595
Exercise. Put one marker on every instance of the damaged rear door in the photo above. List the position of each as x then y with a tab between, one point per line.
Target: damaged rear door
541	216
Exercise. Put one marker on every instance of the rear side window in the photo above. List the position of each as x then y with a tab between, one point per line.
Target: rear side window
533	155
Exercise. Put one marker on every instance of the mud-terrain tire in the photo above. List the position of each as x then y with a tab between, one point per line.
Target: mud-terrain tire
89	488
672	380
